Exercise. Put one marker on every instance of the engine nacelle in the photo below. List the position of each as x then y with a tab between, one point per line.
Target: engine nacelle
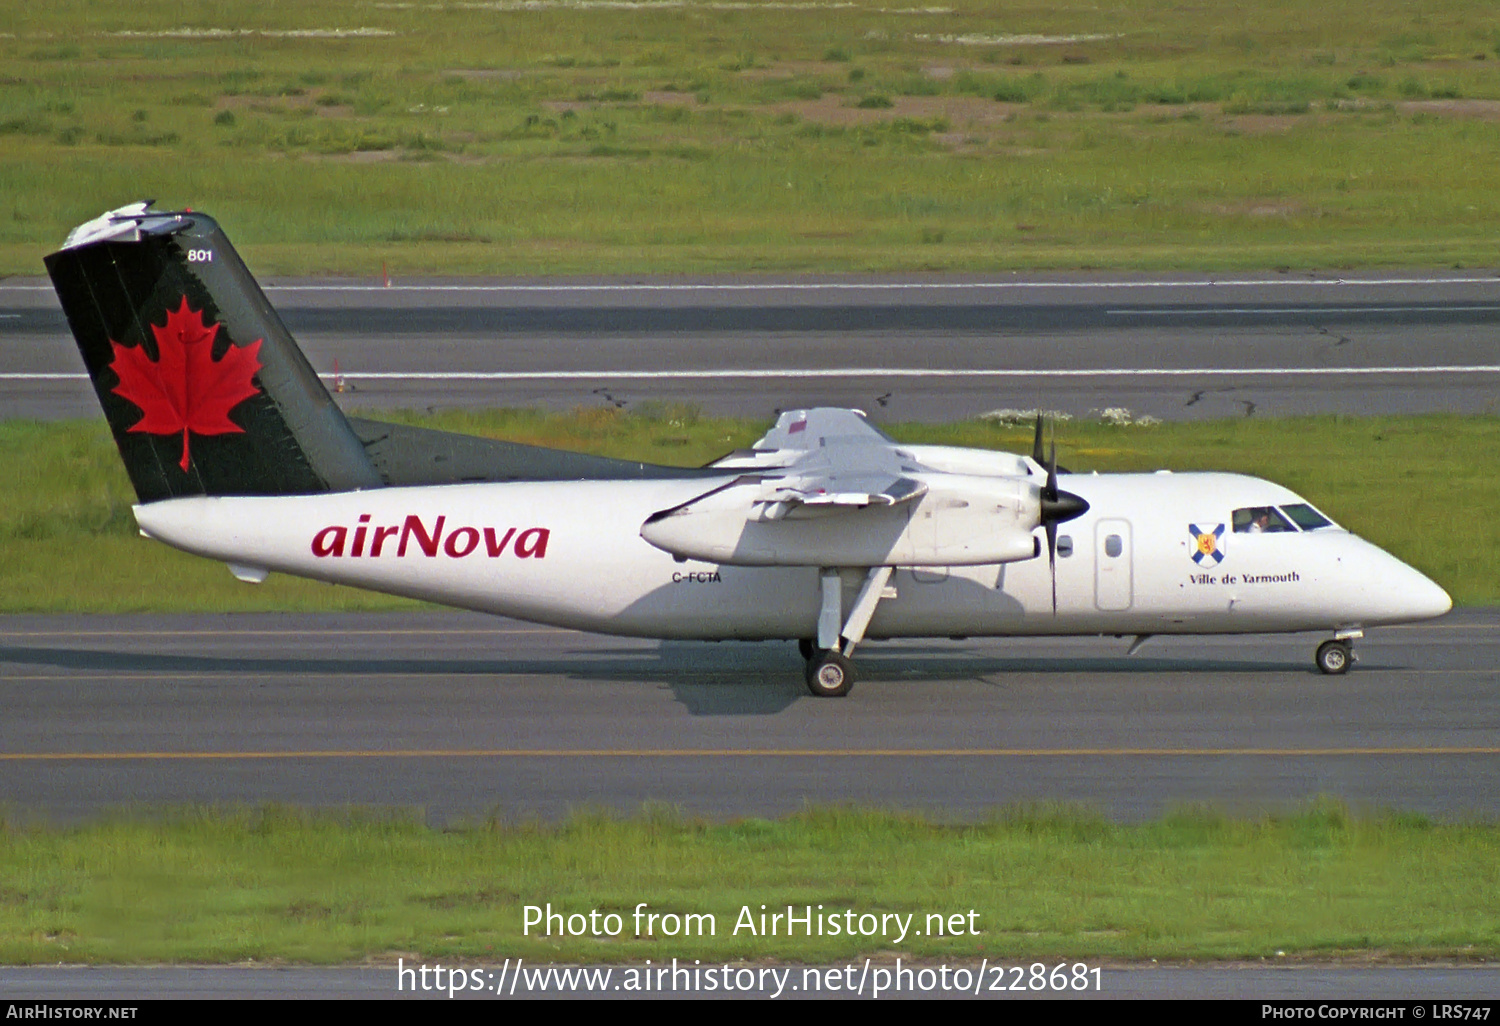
960	521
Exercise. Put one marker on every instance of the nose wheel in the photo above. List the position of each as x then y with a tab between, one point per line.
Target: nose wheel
1334	657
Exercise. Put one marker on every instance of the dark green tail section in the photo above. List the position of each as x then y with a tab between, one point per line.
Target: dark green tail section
123	280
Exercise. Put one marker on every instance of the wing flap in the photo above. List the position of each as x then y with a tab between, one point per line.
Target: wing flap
831	491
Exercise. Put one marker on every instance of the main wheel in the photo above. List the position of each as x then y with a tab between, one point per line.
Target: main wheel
1334	657
830	675
807	646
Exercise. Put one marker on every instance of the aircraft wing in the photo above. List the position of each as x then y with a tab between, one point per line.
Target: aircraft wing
831	479
824	488
827	458
813	429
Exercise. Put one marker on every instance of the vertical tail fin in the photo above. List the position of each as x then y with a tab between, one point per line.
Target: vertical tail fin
203	387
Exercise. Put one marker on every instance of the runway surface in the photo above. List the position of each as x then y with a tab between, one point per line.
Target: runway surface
465	716
926	348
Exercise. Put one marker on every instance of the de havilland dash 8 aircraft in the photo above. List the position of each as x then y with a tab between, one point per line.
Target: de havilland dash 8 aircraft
826	532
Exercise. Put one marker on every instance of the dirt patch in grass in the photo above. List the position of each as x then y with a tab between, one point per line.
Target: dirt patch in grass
492	74
283	103
1264	124
960	111
1258	209
663	98
240	101
1480	110
791	69
959	142
357	157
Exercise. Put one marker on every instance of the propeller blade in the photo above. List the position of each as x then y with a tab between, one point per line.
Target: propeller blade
1052	560
1057	507
1036	443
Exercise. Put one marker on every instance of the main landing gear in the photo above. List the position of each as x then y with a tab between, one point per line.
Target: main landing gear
830	673
1337	655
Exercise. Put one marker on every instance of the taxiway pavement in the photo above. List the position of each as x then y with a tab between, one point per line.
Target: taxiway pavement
466	717
916	348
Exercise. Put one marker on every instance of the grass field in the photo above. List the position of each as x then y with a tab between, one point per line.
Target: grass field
278	885
1420	487
569	136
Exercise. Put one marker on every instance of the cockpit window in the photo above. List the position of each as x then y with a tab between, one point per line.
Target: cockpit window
1306	517
1260	520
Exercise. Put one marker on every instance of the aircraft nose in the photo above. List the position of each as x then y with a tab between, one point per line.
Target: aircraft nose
1412	595
1427	599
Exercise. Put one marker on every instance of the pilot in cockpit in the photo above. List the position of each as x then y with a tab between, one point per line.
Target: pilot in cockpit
1260	520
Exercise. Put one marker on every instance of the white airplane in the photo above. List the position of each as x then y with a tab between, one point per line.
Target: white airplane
826	531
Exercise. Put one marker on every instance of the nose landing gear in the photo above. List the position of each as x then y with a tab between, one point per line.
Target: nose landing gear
1337	655
1334	657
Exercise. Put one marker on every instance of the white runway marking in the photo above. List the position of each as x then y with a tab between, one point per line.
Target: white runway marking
21	376
848	372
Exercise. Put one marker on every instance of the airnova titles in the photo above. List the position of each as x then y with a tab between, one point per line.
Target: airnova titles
413	534
825	531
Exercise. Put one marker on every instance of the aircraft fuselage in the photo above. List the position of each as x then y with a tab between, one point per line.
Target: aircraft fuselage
571	554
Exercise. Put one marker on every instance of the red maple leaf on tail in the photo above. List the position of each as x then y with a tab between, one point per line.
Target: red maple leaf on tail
185	389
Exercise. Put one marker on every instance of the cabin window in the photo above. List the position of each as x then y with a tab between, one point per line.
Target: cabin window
1305	517
1261	520
1064	545
1113	546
